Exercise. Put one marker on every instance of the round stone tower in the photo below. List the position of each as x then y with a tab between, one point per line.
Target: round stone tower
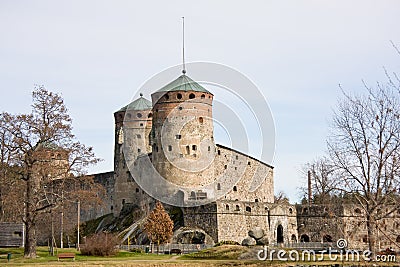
182	136
133	125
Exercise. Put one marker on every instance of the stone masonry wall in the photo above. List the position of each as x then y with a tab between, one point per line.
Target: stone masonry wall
236	218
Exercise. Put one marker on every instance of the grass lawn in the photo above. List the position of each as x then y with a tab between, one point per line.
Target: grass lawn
226	255
17	258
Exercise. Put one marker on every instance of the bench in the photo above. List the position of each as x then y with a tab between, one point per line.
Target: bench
66	256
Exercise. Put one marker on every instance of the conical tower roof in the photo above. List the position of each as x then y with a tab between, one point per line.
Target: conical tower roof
183	83
139	104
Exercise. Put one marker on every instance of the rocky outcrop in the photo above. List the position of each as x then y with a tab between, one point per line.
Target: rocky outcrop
263	241
256	233
249	241
256	237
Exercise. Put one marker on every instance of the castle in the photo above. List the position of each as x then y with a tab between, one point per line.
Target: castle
175	133
165	150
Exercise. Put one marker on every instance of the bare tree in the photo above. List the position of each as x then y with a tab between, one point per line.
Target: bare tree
323	183
364	148
40	149
159	225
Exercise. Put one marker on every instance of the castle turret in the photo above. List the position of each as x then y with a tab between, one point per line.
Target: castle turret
133	124
182	137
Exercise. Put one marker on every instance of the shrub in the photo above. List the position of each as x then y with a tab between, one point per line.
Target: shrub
226	242
136	250
100	244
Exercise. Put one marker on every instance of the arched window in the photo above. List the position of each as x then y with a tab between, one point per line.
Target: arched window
235	188
191	96
137	190
194	147
227	207
293	238
357	211
398	239
150	115
179	96
166	96
187	150
279	234
169	148
248	209
218	186
201	119
290	211
304	238
58	156
203	96
237	208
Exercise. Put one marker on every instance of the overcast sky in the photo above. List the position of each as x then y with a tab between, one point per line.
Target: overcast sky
98	53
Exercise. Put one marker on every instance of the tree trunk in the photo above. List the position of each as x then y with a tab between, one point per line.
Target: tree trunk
30	239
371	234
30	218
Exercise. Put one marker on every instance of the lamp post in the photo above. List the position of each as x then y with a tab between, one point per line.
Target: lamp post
62	220
79	220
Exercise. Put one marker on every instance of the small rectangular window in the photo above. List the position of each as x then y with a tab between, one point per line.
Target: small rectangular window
169	148
194	147
138	136
138	150
178	136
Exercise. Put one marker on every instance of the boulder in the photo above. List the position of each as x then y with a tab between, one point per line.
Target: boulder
249	241
256	233
263	241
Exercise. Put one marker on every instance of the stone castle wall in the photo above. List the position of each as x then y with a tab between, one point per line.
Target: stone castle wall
250	179
203	217
236	218
328	223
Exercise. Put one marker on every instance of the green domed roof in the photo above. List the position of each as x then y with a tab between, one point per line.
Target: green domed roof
139	104
183	83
